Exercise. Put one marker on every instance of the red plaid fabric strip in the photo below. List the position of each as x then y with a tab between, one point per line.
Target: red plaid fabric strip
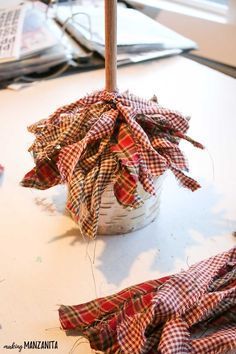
82	316
43	176
159	319
138	133
81	134
125	186
145	176
125	189
90	317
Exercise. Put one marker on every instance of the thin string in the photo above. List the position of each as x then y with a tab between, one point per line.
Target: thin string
91	267
77	343
93	275
212	164
94	250
71	17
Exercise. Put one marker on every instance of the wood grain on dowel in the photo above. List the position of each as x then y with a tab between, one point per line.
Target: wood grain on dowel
110	44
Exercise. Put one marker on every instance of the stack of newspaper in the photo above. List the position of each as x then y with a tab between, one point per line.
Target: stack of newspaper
138	36
34	45
31	42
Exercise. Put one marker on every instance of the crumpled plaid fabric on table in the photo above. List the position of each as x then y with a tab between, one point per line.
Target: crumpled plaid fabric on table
193	312
107	138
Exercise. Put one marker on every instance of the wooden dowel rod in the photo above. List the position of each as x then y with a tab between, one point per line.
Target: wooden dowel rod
111	44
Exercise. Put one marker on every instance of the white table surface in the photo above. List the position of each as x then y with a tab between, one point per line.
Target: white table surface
44	262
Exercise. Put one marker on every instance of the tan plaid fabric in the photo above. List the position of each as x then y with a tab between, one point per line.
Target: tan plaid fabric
107	138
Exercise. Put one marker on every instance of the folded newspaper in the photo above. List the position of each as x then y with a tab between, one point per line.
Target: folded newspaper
42	46
136	32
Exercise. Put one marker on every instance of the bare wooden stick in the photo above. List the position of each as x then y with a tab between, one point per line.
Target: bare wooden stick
111	44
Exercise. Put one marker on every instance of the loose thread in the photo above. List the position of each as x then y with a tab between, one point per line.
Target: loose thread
87	247
91	265
94	250
212	164
77	343
93	275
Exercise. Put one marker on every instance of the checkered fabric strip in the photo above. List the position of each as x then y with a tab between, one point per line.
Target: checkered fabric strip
215	303
66	131
184	289
131	335
163	117
174	158
152	125
156	163
73	107
175	337
79	134
137	104
49	138
75	193
91	156
185	181
175	119
95	183
220	342
157	123
224	319
160	142
226	278
225	298
81	187
145	177
70	155
214	322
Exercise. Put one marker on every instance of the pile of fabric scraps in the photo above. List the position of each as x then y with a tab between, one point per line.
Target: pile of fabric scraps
193	312
107	138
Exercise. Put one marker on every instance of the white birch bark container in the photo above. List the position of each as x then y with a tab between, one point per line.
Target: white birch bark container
114	219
